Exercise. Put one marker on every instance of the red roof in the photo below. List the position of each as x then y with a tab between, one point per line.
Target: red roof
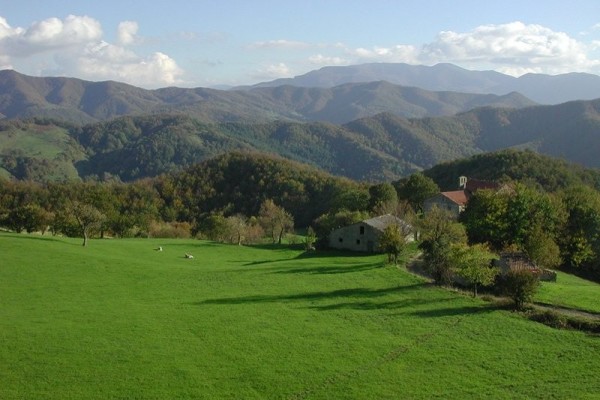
474	185
457	196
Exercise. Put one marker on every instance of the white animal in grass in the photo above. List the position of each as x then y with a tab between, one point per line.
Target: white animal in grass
188	255
159	248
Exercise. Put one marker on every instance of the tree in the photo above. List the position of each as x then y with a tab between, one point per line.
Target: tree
310	239
275	220
542	249
520	285
485	219
88	218
392	241
439	231
472	264
580	238
383	197
416	189
237	226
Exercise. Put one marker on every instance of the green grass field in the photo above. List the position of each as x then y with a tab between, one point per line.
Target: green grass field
118	320
572	292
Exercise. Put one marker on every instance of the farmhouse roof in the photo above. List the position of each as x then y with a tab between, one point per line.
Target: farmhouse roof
459	197
383	221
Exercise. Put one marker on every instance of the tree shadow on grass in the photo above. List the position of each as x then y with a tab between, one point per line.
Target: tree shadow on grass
375	305
313	255
324	269
455	311
359	298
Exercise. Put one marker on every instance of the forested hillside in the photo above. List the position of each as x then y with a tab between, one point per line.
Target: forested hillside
543	172
384	147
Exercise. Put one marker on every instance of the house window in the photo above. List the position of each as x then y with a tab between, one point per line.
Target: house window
362	230
357	241
341	240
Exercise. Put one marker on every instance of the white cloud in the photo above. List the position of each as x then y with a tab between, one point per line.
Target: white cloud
320	59
515	46
272	71
278	70
76	48
279	44
51	34
398	53
127	32
105	61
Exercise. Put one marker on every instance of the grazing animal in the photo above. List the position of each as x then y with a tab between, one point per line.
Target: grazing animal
159	248
189	256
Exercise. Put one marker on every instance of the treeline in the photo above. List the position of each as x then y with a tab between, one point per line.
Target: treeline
555	229
195	201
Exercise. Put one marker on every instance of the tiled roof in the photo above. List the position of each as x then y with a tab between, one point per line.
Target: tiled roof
457	196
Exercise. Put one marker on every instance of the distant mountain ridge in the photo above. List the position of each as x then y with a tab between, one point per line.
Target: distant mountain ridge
541	88
80	101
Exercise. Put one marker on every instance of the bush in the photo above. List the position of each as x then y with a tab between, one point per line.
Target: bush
173	230
520	285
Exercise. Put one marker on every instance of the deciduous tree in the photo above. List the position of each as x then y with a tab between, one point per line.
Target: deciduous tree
439	231
473	265
275	220
392	242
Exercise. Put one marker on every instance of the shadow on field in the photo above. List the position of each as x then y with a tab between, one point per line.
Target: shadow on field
454	311
358	298
341	269
320	255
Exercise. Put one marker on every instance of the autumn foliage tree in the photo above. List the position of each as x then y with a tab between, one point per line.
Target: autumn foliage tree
275	220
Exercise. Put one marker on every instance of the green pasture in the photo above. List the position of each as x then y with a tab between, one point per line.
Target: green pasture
572	292
44	143
119	320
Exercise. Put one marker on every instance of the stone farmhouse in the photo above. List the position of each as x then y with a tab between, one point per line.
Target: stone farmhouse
455	201
364	236
519	261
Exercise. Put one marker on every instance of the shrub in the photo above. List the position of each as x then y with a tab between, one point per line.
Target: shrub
175	230
520	285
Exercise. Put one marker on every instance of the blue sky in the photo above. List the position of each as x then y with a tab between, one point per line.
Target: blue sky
235	42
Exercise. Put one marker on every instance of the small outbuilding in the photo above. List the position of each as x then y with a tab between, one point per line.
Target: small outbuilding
364	236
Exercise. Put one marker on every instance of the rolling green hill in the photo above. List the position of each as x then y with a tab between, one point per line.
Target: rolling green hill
117	319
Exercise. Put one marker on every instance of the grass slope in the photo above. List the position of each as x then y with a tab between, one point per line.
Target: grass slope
570	291
119	320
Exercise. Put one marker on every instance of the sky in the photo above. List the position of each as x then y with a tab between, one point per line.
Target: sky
208	43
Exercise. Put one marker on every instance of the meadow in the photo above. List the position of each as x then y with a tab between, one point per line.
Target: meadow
119	320
570	291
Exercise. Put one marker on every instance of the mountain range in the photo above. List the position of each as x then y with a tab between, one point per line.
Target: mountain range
80	101
541	88
64	128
